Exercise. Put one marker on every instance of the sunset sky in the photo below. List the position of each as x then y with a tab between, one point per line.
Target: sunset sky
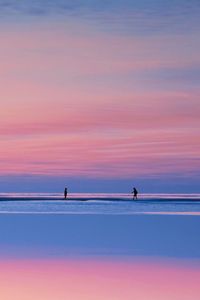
100	95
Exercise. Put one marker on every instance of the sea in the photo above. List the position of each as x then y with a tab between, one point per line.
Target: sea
99	246
99	203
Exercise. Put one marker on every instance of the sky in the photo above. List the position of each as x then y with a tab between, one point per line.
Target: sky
99	95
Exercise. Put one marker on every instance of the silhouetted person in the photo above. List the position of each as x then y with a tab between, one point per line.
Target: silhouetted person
135	193
65	193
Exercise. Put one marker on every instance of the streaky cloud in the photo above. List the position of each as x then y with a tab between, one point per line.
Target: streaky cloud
132	17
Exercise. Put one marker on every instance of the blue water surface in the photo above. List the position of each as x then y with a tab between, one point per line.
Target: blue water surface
100	225
50	203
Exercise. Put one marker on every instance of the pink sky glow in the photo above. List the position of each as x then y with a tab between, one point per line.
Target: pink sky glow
97	280
76	104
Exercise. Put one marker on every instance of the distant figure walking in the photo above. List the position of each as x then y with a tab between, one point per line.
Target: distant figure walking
135	193
65	193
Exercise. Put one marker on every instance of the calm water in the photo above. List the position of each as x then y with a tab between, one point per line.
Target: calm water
105	225
48	203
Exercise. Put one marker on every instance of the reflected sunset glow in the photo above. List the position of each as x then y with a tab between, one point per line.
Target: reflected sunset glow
97	280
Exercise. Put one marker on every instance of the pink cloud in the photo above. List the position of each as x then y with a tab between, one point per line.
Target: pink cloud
55	118
93	111
81	50
122	140
140	152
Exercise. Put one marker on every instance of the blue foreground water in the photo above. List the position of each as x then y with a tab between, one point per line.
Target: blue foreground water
91	225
